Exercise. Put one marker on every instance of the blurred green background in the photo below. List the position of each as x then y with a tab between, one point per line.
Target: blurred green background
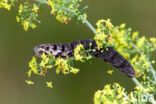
16	51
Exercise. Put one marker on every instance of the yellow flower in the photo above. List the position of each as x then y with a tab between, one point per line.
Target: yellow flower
140	42
35	71
29	73
5	4
49	84
153	40
17	19
33	66
122	26
33	25
35	8
135	35
29	82
99	22
100	40
44	60
144	77
78	52
59	19
108	23
134	59
43	56
70	6
49	66
139	88
25	24
132	98
20	8
74	70
110	71
62	65
52	4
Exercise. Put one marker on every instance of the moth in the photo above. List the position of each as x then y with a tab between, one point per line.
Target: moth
108	54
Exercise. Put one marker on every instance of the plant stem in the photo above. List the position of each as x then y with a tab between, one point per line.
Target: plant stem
88	24
81	16
136	81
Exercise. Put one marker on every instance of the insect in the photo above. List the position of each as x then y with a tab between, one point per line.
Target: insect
108	54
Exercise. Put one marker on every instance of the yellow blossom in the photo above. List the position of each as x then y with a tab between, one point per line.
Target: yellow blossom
132	98
100	40
49	84
35	8
62	65
99	22
29	82
134	59
71	6
122	26
29	73
153	40
33	66
74	70
144	77
110	71
139	88
108	23
44	60
78	52
140	42
33	25
20	8
111	95
135	35
25	24
34	70
52	4
5	4
17	19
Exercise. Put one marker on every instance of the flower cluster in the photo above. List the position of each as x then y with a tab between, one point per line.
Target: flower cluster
135	49
64	66
7	4
27	15
103	33
116	94
65	10
61	64
111	95
81	54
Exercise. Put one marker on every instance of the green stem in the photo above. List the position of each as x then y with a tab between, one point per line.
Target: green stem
136	81
65	9
88	24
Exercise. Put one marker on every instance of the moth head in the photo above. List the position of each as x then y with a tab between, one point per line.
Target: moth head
40	49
